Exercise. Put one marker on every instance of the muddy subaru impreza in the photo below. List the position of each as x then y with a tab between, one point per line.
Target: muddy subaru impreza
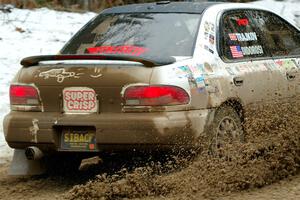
151	77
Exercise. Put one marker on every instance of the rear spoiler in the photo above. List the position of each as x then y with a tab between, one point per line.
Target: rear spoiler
34	60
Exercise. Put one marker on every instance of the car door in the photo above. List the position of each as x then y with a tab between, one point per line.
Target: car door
283	43
246	57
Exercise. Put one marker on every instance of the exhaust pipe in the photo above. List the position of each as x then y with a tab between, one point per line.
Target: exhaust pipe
33	153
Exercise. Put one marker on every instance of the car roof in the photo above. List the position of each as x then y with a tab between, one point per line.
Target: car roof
162	7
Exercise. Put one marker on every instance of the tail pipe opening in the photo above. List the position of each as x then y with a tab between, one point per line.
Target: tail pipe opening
33	153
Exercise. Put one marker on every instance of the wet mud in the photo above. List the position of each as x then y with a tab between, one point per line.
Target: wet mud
270	153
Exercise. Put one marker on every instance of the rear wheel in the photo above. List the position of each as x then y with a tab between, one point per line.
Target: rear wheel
226	129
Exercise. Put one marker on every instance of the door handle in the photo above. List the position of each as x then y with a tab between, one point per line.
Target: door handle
238	81
291	75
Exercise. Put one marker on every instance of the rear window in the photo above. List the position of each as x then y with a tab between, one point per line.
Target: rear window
147	35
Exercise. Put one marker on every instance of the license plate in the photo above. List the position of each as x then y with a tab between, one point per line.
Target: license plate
78	140
79	100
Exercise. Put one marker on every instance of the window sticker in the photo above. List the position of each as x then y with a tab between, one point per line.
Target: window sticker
271	66
232	36
243	68
268	67
297	62
208	49
230	71
243	37
206	34
287	64
200	82
209	32
209	27
197	69
243	22
240	52
206	26
212	27
252	50
208	68
236	52
198	76
260	67
211	39
130	50
182	71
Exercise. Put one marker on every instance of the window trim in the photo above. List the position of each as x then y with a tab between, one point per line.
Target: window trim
219	37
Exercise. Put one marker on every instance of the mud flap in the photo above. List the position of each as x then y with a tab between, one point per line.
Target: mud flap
20	165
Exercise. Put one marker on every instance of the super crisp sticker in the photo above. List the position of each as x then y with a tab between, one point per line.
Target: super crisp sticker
79	100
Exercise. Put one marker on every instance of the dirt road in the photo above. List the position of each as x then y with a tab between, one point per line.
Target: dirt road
54	187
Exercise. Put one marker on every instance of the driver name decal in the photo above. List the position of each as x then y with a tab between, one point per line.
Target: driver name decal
252	50
243	37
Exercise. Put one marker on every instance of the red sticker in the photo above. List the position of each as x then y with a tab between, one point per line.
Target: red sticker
130	50
243	22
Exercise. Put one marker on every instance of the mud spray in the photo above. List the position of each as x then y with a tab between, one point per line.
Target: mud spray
271	152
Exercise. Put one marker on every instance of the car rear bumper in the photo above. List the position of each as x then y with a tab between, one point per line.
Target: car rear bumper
114	131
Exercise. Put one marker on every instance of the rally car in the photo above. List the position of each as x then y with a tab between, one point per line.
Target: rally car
152	76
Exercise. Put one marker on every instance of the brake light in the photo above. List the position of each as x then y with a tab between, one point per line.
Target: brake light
155	96
24	97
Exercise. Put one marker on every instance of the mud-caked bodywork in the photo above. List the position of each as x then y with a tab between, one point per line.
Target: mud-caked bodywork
140	94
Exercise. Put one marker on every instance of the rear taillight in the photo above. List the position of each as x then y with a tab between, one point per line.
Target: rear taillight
155	96
24	98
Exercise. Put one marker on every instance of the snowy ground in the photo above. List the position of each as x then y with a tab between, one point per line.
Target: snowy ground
42	31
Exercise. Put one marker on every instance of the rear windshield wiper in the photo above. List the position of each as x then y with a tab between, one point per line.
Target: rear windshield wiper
34	60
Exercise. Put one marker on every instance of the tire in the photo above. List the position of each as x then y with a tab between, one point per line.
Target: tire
226	129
